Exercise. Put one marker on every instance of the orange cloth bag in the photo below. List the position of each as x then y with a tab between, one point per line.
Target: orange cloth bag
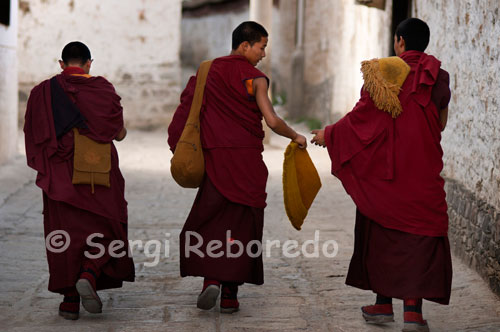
91	161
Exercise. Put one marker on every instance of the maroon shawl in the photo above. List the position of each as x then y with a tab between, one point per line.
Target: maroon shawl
391	167
99	104
231	130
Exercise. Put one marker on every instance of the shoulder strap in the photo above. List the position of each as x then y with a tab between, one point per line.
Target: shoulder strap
65	113
201	80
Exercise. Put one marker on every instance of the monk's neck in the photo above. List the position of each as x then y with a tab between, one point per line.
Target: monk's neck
71	70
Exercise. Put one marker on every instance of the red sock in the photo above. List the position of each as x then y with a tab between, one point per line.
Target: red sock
229	296
208	282
413	311
71	301
90	272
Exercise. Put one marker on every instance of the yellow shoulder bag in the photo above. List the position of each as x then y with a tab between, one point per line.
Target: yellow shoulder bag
188	165
92	161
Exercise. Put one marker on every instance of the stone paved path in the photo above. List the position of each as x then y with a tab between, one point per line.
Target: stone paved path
299	294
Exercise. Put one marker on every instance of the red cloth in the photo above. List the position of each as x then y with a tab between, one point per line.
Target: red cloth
65	267
53	159
231	131
400	265
211	216
391	167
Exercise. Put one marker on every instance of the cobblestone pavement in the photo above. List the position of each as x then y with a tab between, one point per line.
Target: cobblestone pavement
299	294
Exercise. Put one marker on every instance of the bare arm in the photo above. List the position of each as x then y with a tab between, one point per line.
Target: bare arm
443	117
273	121
121	135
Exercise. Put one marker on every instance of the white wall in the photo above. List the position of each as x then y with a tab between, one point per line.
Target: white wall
465	36
337	36
8	86
364	34
207	37
135	44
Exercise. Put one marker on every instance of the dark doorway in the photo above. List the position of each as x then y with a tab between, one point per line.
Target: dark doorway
401	10
5	12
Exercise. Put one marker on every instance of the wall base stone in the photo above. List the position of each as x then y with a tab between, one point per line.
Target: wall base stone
474	232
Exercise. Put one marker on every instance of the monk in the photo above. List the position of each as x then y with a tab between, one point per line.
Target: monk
226	220
388	155
86	219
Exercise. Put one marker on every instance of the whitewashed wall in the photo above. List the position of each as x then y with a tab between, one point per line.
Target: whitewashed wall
363	33
135	44
338	35
283	46
207	37
465	36
8	86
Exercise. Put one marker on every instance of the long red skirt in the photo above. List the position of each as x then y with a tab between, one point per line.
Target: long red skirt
65	267
398	264
210	219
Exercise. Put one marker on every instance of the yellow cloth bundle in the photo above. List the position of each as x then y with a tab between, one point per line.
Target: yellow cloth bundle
301	183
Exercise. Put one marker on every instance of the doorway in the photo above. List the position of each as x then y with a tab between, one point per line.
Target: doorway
401	10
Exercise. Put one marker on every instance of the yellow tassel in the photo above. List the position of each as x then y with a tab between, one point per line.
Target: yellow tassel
383	80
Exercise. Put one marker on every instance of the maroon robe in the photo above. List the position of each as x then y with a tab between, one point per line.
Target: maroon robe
391	169
232	196
73	208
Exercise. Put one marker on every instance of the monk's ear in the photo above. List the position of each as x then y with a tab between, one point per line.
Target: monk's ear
62	64
402	43
245	46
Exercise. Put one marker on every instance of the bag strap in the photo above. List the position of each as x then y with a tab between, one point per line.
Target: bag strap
65	113
201	80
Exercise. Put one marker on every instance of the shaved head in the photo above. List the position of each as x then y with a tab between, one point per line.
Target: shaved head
75	52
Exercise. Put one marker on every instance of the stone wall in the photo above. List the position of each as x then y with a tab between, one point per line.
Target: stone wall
465	36
135	45
474	232
8	86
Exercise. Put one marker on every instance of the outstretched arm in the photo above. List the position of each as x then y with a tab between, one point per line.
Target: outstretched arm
319	138
273	121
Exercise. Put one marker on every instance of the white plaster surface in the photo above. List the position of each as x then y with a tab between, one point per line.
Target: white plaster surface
135	44
338	35
208	37
465	36
8	86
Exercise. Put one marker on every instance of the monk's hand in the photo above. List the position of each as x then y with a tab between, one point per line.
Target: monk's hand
319	138
301	141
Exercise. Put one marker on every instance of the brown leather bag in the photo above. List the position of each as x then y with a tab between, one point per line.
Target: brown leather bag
92	161
188	165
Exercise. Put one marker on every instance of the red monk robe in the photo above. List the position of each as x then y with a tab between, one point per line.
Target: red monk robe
391	169
232	195
73	208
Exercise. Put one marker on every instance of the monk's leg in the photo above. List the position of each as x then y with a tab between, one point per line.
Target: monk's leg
229	298
380	312
209	294
414	321
87	286
70	306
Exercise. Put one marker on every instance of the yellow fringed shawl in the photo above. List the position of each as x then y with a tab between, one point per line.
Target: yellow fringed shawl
383	80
